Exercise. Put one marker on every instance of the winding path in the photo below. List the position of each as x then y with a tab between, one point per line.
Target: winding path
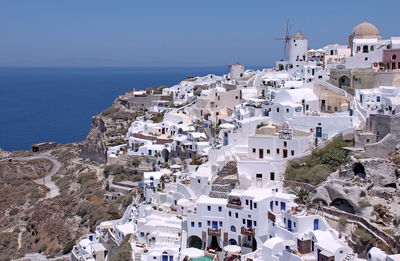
54	190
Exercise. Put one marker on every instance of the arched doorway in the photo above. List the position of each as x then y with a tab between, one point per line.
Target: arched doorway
165	155
359	170
344	205
214	244
344	81
195	241
232	241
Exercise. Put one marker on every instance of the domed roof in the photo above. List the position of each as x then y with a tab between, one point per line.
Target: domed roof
365	29
299	36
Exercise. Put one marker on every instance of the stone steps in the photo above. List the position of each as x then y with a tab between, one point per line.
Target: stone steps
221	187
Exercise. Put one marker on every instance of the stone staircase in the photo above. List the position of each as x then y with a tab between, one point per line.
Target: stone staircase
225	182
349	256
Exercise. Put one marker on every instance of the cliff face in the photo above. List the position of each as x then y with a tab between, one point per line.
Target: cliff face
107	129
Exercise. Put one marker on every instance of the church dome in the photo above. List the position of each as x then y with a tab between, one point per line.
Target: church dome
365	29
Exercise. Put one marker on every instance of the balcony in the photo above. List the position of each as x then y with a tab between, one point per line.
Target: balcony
214	232
248	231
234	203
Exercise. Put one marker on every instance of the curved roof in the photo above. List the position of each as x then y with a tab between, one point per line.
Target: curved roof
272	242
299	36
365	29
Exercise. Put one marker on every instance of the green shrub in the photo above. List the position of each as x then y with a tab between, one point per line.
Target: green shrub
13	212
312	175
114	169
68	247
363	203
86	177
364	238
343	221
124	251
110	111
320	163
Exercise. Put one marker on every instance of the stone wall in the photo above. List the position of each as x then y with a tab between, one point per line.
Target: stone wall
389	240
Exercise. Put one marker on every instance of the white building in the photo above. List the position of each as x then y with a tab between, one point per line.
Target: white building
298	47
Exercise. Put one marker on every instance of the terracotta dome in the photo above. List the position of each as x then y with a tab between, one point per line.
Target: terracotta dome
299	36
365	29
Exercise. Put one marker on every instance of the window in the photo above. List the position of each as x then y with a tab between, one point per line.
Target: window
294	224
141	234
255	205
230	213
292	152
272	176
365	49
277	109
199	224
192	224
208	222
233	228
259	176
371	48
268	151
219	209
254	150
220	223
366	58
255	223
284	220
247	202
244	221
236	215
277	151
287	110
394	57
198	181
357	80
236	97
358	49
276	203
284	144
209	208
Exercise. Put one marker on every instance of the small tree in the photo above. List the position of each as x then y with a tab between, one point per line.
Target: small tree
343	221
301	195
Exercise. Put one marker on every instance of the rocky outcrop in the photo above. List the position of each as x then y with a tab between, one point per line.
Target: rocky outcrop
359	185
108	129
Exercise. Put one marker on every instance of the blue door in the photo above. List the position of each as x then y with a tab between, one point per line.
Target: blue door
283	206
361	98
271	206
164	258
171	258
289	225
316	224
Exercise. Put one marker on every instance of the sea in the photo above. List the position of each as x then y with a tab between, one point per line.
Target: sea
57	104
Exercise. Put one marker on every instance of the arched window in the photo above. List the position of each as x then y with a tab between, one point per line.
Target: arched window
233	228
394	57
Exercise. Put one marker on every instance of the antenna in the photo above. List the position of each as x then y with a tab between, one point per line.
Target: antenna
286	38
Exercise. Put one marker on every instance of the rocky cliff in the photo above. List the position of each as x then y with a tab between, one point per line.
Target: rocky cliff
108	129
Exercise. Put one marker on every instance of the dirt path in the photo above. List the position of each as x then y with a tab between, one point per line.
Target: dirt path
54	190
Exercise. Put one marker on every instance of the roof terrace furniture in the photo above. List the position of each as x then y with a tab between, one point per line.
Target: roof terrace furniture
248	231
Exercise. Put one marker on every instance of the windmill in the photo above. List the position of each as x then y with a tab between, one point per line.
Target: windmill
286	38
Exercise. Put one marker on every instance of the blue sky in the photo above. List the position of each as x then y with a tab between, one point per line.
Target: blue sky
175	33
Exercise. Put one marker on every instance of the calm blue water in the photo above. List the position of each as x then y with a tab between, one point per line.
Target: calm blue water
57	104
